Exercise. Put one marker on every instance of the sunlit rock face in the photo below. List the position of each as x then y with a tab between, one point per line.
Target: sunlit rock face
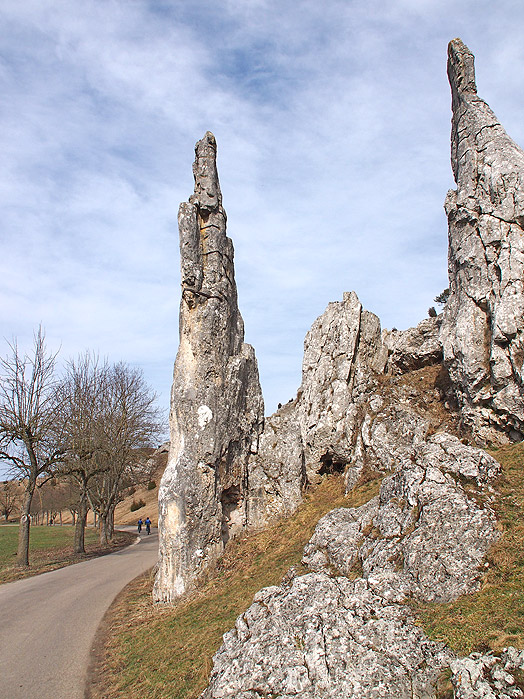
483	324
216	402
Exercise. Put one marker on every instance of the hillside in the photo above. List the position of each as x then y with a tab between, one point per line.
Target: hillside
416	410
146	493
163	653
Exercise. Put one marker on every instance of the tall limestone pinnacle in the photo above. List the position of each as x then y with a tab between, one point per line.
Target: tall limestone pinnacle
216	401
483	326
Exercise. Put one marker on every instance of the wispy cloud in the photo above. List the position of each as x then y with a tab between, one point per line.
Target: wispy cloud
332	122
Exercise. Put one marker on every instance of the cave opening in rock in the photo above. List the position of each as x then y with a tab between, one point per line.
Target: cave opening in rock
231	501
330	464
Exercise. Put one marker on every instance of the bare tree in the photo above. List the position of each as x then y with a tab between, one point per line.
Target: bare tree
131	422
29	434
9	500
84	406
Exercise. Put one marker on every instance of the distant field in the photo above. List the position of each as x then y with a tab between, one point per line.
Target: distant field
50	548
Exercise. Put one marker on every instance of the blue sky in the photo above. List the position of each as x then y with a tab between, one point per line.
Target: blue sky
332	121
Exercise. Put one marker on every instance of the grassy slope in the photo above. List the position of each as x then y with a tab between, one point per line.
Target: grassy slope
49	548
493	617
168	652
123	514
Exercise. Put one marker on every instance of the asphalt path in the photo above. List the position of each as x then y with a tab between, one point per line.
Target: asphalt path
48	623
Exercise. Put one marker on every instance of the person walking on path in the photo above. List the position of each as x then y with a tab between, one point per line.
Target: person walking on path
140	523
148	525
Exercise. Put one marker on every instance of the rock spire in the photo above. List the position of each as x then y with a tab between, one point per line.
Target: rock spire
483	326
216	401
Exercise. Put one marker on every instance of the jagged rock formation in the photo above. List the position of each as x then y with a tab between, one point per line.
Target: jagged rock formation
316	433
488	676
374	402
414	348
216	402
352	413
483	325
325	637
401	541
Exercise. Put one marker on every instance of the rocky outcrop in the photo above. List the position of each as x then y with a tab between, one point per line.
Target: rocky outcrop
483	325
343	353
277	473
372	403
488	676
425	536
413	348
325	637
316	433
352	413
216	402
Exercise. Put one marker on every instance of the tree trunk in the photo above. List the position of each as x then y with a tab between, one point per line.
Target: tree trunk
22	556
111	520
103	528
80	526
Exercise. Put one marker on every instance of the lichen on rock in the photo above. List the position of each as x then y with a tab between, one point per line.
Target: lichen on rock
326	637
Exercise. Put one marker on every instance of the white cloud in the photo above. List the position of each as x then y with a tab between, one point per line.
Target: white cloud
332	122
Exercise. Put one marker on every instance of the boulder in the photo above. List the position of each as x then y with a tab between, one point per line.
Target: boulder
425	536
328	637
414	348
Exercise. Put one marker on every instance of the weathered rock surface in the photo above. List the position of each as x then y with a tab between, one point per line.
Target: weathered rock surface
349	416
277	473
316	433
216	402
325	637
371	403
414	348
488	676
425	536
483	325
343	353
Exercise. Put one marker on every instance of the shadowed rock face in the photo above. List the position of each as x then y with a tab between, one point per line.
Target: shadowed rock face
483	326
216	401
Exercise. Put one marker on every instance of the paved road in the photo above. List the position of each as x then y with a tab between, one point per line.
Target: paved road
48	623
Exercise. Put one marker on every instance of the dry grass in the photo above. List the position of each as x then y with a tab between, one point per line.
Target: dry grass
123	514
493	617
162	653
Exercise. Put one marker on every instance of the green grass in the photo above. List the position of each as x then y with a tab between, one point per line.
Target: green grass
168	652
493	617
49	548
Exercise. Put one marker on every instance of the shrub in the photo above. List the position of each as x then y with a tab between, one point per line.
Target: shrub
136	505
151	485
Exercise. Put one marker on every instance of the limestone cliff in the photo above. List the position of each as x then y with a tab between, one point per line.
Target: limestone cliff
216	401
483	325
403	406
382	402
